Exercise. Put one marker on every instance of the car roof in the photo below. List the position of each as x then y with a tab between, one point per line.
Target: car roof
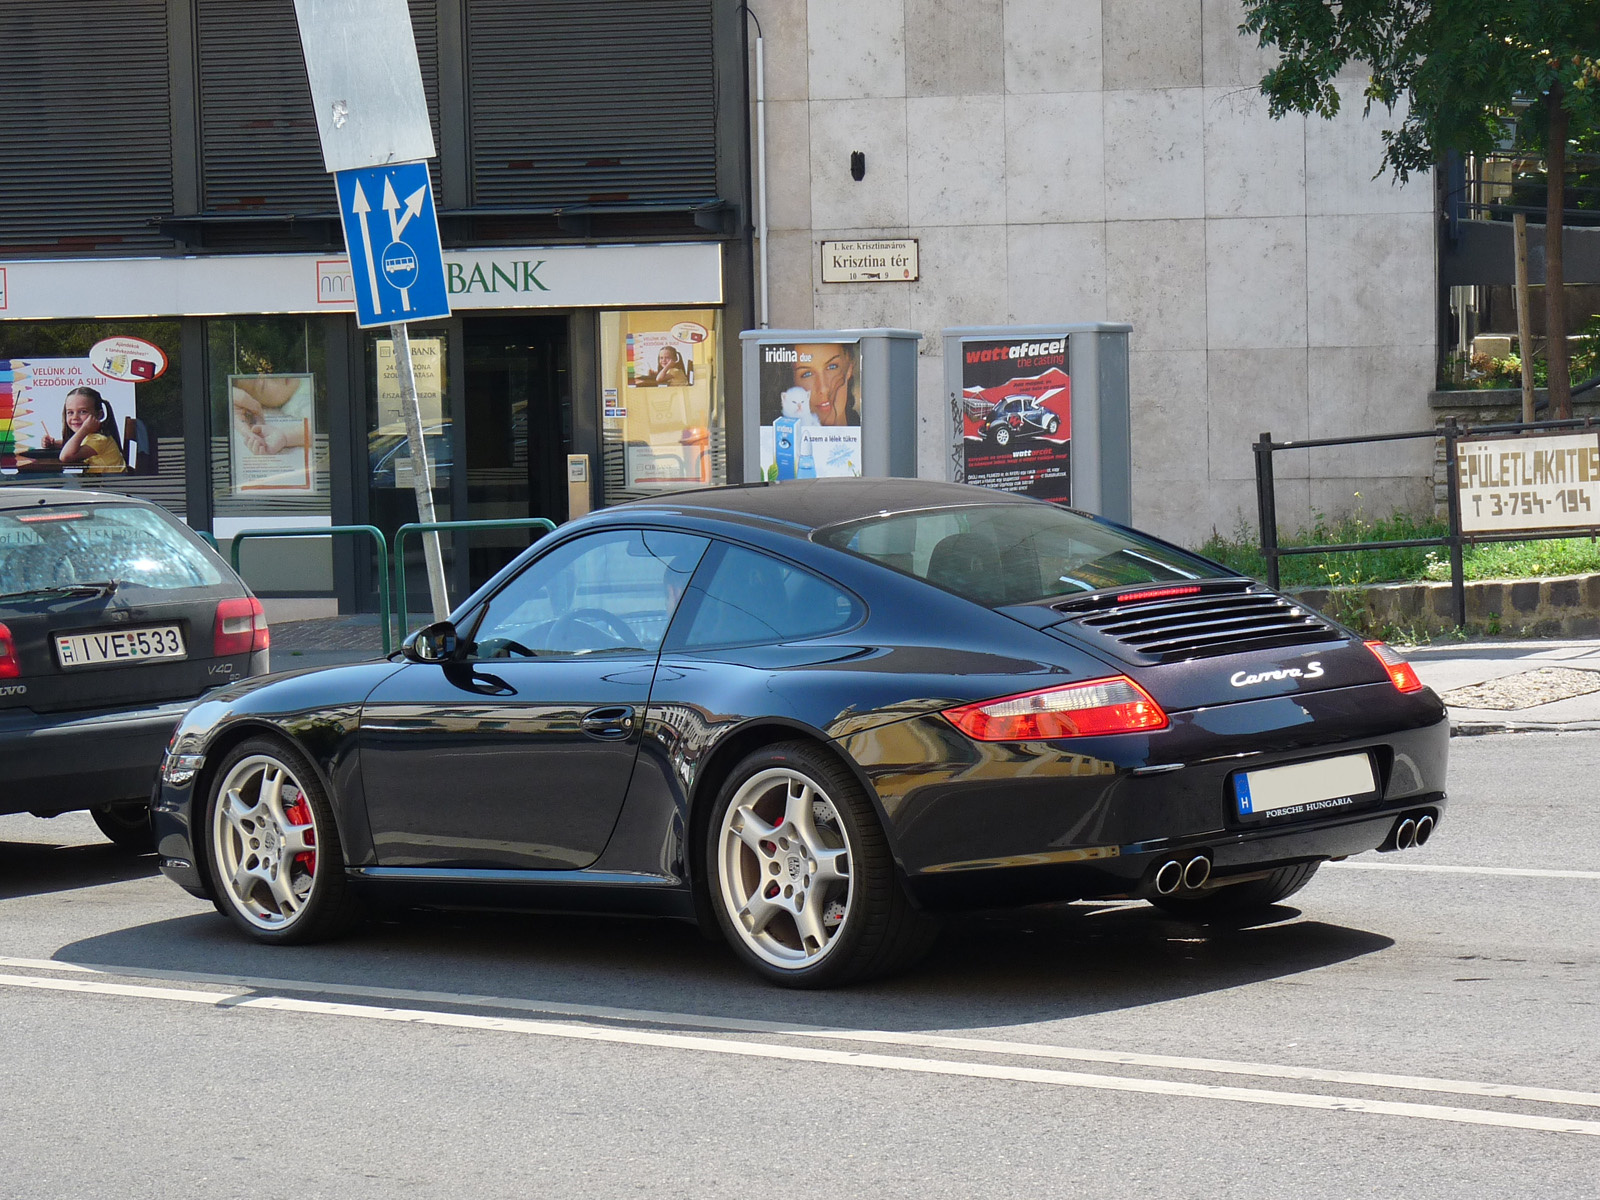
31	497
800	506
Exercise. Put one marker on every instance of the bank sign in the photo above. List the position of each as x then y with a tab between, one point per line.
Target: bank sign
1529	483
680	274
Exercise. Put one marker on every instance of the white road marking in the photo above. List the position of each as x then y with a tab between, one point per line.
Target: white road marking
715	1045
1443	869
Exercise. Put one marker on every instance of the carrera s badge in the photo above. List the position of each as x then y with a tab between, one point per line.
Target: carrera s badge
1313	670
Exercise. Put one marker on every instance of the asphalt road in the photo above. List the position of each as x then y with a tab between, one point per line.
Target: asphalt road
1422	1025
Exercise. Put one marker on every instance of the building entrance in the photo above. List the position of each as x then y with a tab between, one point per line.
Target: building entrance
517	430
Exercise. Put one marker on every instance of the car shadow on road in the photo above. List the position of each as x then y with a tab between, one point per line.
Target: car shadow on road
1040	964
39	868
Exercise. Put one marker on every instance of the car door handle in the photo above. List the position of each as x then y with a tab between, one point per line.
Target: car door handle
612	723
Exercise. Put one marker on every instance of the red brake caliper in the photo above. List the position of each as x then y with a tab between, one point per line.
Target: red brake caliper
299	814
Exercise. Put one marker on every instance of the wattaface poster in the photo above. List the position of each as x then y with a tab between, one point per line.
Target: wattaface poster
272	434
663	407
810	410
1016	406
65	416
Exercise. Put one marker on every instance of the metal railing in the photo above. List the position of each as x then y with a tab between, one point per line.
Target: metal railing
379	544
419	527
1452	433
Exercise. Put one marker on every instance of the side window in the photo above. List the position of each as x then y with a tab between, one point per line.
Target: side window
609	592
752	598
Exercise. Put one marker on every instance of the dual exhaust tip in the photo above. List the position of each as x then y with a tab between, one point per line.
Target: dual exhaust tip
1174	874
1411	831
1191	875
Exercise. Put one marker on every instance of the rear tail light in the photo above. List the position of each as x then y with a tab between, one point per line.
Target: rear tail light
241	628
1400	671
1099	706
10	668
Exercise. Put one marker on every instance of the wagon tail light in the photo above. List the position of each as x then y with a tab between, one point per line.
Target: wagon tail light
241	628
10	668
1400	671
1090	709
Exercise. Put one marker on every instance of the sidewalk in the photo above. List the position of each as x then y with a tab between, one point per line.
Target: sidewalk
1532	685
325	641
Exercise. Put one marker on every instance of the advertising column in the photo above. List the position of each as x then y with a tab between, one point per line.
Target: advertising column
1043	410
829	404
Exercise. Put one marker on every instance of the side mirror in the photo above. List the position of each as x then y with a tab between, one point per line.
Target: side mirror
438	642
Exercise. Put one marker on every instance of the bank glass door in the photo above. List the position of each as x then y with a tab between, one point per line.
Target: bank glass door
517	431
391	494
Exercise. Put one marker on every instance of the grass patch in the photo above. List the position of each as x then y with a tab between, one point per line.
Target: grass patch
1494	560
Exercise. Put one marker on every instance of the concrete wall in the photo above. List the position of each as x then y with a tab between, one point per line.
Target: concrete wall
1072	160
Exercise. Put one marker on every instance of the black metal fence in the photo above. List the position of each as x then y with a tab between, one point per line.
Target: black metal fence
1453	434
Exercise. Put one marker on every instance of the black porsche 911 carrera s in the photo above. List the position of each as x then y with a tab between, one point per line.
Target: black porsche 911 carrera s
815	714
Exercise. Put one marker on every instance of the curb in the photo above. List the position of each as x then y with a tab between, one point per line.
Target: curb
1547	606
1479	728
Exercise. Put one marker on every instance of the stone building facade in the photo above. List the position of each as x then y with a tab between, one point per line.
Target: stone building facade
1078	160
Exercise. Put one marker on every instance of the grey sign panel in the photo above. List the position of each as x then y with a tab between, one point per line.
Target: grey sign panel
366	83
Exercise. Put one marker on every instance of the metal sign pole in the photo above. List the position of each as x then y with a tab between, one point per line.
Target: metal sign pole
421	473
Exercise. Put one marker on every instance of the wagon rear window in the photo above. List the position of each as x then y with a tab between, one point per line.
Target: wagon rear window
1015	553
52	547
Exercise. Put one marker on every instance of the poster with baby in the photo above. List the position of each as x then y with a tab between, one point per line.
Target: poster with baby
63	415
272	434
810	410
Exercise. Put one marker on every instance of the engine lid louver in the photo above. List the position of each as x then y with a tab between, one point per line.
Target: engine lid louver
1221	619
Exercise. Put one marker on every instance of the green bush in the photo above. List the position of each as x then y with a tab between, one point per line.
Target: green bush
1490	560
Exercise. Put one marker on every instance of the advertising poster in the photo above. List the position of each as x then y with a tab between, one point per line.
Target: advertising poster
272	434
810	410
65	416
388	448
1017	416
427	359
663	409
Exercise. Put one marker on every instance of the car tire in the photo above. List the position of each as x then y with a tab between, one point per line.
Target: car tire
1051	426
127	825
1239	899
273	853
800	874
1001	435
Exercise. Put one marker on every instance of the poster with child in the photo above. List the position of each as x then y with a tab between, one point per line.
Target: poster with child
63	415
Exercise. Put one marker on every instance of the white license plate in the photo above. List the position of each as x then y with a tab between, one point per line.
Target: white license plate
1305	787
150	643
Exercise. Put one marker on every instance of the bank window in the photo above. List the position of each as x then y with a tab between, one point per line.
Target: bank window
93	404
662	415
267	379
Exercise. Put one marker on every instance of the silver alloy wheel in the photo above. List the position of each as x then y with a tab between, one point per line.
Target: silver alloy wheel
264	837
785	868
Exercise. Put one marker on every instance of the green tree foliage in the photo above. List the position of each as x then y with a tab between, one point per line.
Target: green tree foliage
1468	74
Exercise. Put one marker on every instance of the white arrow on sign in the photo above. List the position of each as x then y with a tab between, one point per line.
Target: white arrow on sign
361	208
391	205
397	224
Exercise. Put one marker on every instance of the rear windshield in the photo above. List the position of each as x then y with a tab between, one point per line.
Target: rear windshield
56	547
1014	553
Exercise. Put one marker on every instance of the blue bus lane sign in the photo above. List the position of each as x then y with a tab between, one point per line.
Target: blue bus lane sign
392	233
